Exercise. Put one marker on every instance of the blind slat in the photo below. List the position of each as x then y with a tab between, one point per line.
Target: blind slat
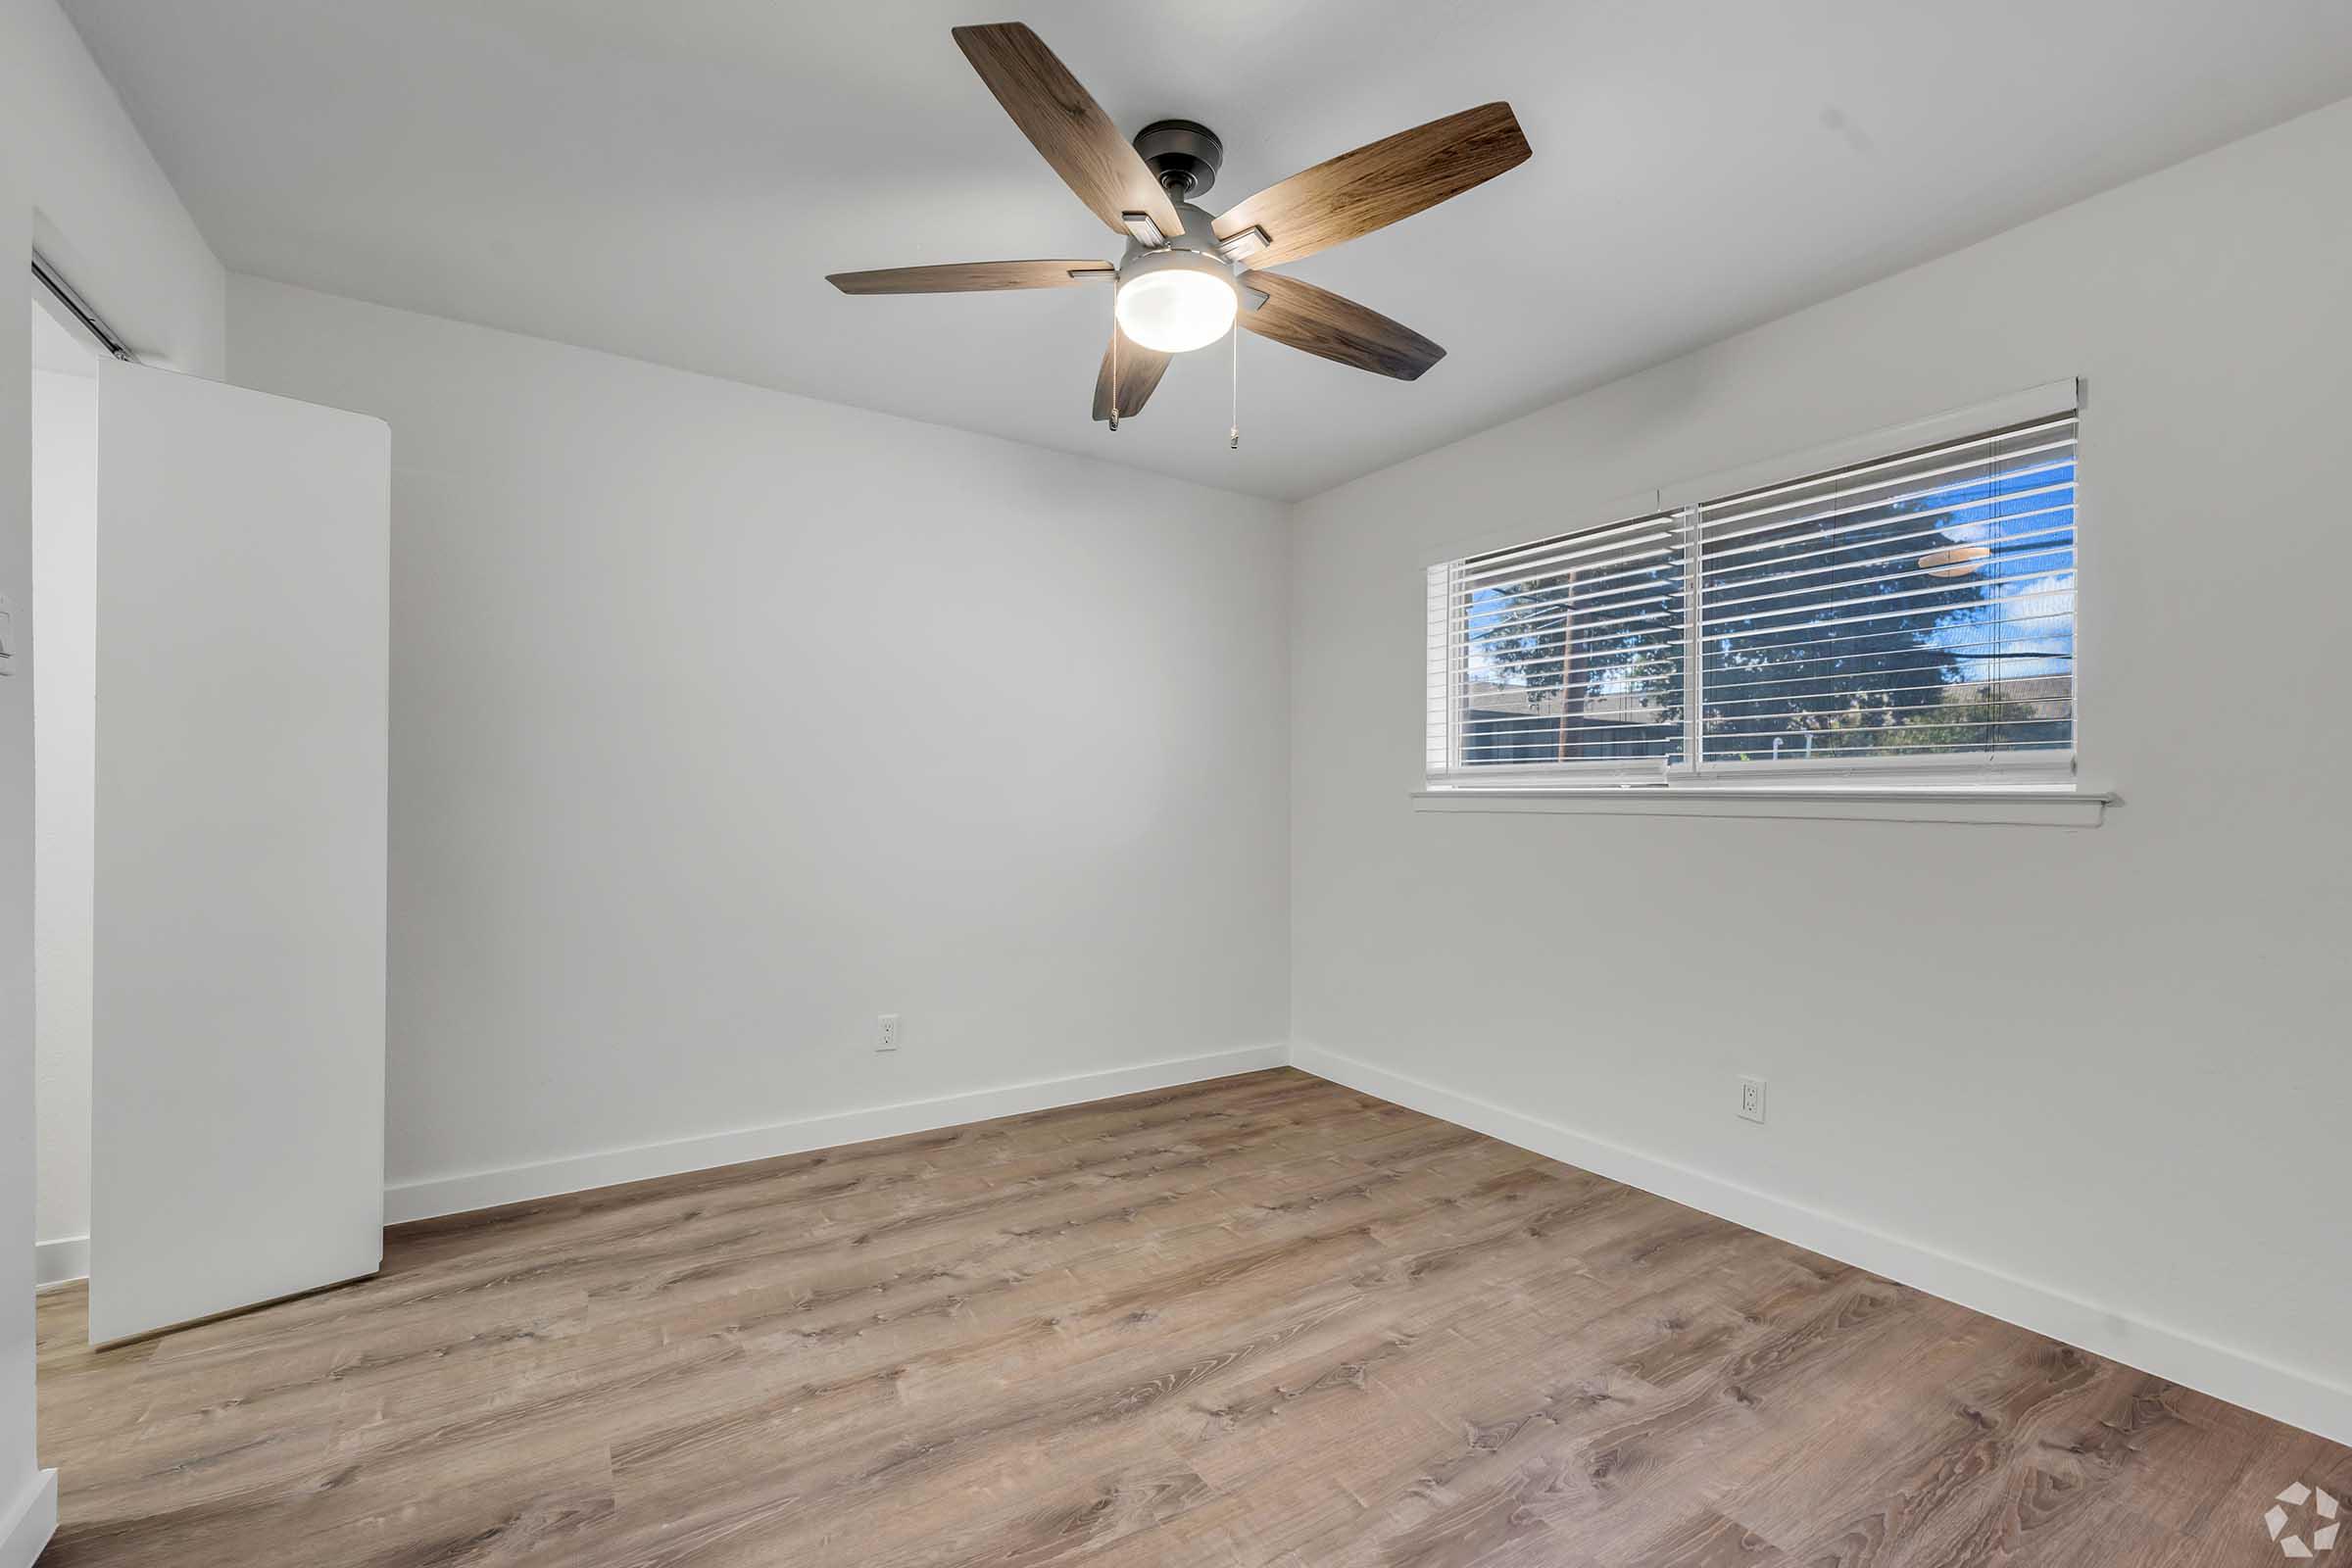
1951	574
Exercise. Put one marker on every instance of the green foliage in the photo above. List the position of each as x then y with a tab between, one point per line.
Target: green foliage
1848	669
1621	648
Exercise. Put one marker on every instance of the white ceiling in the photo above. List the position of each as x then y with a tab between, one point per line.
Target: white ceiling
672	181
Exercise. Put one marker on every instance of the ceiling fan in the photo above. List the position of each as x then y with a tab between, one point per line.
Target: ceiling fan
1185	277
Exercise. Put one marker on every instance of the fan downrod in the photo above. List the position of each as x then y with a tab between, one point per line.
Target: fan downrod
1184	155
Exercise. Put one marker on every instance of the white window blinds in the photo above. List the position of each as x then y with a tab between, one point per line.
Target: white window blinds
1919	608
1564	656
1914	614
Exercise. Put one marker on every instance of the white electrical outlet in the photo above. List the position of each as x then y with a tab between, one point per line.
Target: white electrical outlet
888	1038
1751	1099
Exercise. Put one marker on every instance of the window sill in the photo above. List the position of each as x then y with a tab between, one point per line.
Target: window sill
2026	806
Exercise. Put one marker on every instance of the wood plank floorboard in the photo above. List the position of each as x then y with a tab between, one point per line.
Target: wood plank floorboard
1262	1321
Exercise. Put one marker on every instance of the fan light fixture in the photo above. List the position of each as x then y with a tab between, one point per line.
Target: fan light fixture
1188	277
1175	301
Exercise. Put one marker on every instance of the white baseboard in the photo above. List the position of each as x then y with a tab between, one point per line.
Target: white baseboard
29	1523
59	1261
515	1184
2300	1398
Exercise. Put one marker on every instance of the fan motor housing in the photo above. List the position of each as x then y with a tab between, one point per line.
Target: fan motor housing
1198	243
1184	155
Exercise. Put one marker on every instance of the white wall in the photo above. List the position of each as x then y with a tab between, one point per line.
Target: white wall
725	720
27	1498
2097	1073
64	579
73	172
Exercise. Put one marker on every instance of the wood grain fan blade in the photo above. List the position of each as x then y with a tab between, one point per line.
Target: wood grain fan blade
1140	370
1335	328
1377	185
957	278
1066	125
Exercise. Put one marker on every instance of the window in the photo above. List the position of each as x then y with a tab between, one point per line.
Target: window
1907	619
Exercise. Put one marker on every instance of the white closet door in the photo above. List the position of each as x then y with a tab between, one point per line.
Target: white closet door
237	1053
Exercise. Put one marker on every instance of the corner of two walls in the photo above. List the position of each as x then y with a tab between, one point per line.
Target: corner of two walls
726	720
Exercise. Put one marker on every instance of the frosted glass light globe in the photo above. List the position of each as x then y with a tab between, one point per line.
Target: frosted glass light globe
1173	309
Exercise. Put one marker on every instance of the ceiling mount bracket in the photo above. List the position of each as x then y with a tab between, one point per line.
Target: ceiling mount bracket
1184	155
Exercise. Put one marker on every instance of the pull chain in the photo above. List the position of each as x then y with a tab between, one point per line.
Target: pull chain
1114	360
1233	439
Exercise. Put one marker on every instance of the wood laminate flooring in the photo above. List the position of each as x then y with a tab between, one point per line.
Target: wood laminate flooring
1262	1320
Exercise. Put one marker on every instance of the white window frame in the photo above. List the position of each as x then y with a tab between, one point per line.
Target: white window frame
2018	786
